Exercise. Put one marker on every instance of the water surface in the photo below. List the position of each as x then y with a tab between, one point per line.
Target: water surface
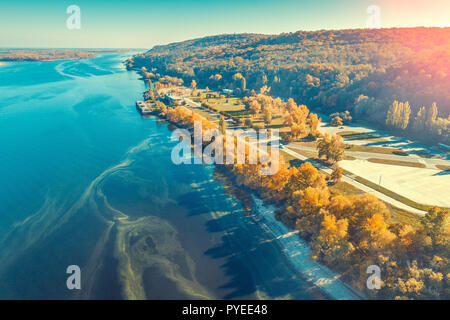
85	180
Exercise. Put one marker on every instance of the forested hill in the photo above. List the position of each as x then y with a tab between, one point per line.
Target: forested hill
360	70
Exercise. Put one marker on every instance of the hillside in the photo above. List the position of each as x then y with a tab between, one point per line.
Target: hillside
361	70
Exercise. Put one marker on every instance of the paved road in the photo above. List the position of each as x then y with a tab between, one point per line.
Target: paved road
429	163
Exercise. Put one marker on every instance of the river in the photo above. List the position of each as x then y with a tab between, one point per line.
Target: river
86	181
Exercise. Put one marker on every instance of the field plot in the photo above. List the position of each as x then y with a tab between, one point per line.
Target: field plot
427	186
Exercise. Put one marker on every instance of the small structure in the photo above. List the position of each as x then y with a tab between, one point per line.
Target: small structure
212	94
143	107
227	91
173	100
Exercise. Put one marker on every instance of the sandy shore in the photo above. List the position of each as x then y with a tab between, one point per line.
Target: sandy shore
2	63
297	250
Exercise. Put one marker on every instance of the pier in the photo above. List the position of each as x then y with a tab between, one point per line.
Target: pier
144	108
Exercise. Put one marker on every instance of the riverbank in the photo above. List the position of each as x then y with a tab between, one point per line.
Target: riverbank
49	54
347	233
295	250
297	253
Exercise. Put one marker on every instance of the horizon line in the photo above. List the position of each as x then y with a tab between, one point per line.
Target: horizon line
220	34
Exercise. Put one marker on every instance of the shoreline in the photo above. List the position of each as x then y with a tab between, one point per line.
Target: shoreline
342	230
296	252
41	60
326	281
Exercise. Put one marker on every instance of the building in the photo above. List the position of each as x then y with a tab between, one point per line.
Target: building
227	91
173	100
144	107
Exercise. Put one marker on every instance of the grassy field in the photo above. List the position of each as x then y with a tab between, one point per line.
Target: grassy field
356	148
315	155
402	216
204	113
307	153
287	157
226	104
345	188
234	107
352	135
311	144
397	163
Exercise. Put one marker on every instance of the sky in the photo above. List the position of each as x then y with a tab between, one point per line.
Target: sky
143	24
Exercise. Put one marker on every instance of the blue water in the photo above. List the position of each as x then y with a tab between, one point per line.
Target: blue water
85	180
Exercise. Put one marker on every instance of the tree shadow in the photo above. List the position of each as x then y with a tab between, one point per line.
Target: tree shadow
442	173
253	261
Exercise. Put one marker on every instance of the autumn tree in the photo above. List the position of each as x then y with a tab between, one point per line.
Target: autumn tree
298	130
303	177
255	107
431	115
420	119
331	147
216	78
332	244
377	234
398	115
297	119
336	121
291	104
222	124
428	126
238	77
278	104
264	90
267	116
296	115
336	174
313	122
433	224
345	116
193	85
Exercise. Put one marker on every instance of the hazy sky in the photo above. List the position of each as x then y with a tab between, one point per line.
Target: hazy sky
142	24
